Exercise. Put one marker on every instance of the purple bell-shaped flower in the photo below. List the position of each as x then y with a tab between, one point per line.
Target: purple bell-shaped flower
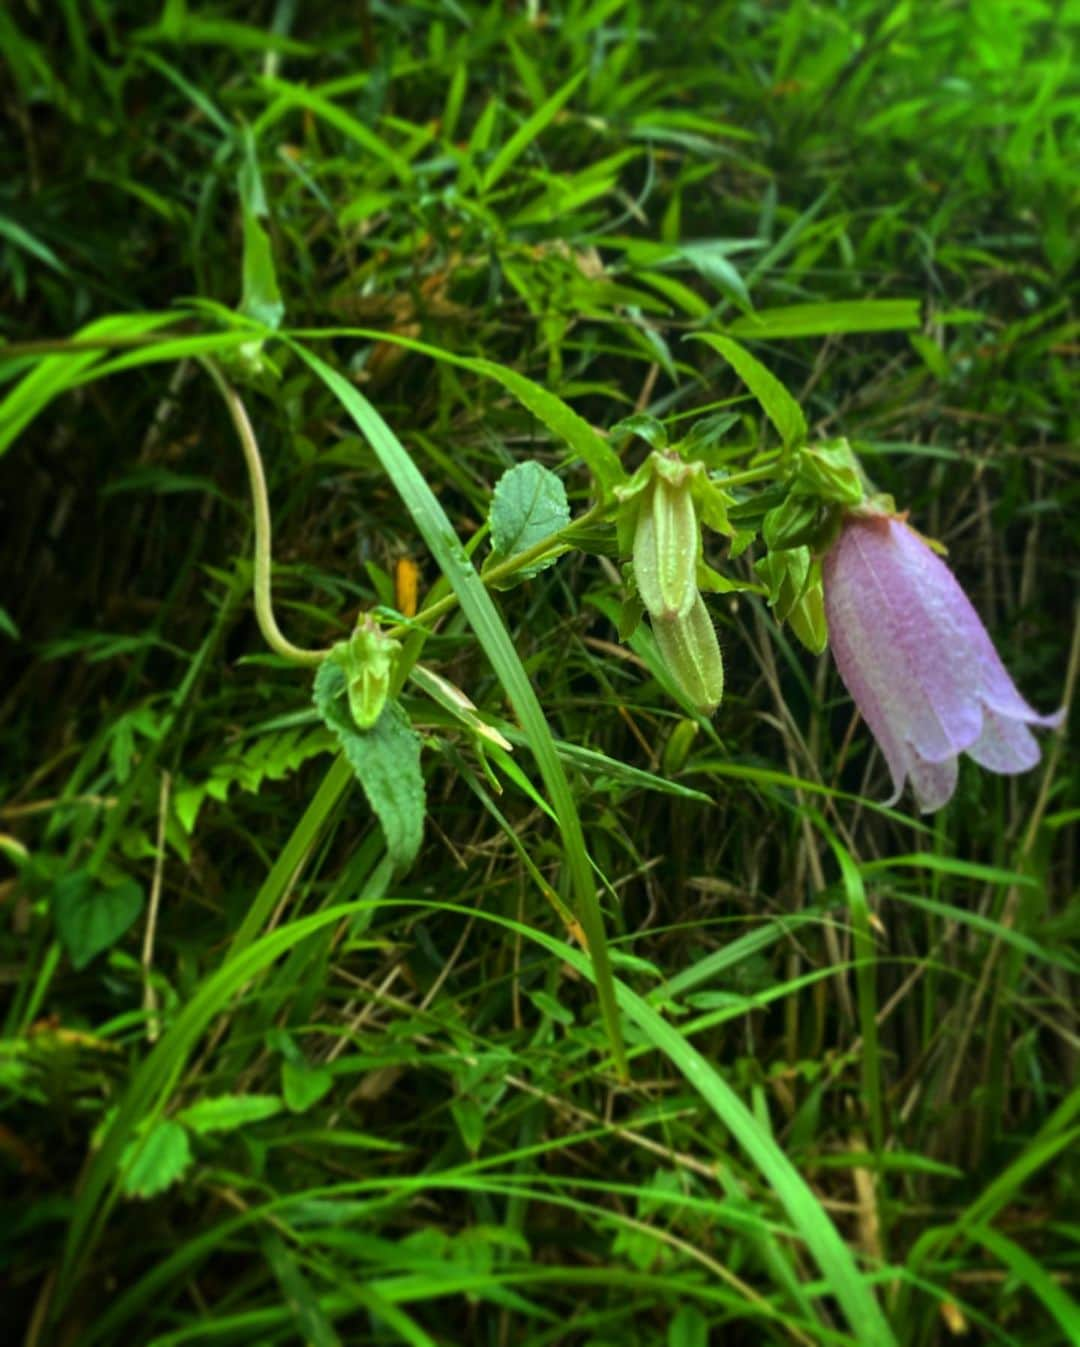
918	662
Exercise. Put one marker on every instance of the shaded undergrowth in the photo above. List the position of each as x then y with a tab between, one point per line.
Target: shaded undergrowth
305	1098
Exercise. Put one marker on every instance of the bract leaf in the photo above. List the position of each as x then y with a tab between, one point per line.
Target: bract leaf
385	760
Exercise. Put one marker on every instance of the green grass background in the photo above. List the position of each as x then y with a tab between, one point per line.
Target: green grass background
306	1099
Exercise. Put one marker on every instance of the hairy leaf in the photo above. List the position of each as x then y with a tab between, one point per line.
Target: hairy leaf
385	760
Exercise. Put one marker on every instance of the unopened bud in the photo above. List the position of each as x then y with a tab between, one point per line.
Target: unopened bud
368	659
691	652
667	544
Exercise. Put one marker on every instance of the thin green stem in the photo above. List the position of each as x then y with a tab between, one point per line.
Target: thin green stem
546	547
750	475
264	607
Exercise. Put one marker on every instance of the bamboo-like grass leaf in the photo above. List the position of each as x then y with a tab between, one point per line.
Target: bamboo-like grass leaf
485	620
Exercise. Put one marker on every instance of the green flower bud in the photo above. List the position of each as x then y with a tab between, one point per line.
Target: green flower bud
667	544
677	749
368	659
691	652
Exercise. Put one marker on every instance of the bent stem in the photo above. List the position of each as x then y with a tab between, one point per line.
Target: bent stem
260	503
264	607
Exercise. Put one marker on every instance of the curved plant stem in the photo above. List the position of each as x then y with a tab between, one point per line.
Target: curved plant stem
264	608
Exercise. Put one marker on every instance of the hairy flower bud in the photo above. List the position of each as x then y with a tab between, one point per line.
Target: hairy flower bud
692	654
667	544
368	659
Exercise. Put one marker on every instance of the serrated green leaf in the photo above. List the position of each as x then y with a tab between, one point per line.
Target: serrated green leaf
528	505
385	760
91	918
155	1161
228	1112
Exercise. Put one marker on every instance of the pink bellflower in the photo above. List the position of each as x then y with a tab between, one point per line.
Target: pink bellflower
918	662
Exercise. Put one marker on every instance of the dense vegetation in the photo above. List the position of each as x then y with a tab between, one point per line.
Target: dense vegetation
270	1074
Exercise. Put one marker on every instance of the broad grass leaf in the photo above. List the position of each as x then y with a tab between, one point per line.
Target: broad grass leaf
561	420
829	319
385	760
91	918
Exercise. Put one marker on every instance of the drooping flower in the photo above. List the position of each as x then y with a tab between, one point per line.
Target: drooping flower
918	662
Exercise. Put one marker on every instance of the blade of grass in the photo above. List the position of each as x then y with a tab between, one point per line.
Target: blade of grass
485	620
1054	1298
809	1217
528	131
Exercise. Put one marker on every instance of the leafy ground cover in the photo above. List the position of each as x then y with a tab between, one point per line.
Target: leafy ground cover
289	1058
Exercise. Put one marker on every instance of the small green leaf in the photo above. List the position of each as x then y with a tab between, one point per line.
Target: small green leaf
386	761
642	425
7	625
368	660
469	1117
546	1004
791	523
677	748
710	260
227	1112
529	504
261	296
311	1323
303	1086
776	402
830	471
688	1328
807	618
561	420
155	1161
90	918
786	575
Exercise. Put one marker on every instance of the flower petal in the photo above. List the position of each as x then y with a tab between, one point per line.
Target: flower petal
932	782
863	665
897	646
1005	745
939	629
984	672
918	661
